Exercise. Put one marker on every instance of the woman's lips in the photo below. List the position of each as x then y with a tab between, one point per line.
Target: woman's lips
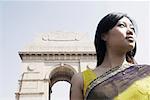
130	39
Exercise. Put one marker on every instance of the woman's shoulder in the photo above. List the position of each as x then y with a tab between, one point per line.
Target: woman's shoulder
77	79
76	86
77	76
80	77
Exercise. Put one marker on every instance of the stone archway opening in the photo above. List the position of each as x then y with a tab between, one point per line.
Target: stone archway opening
60	90
60	75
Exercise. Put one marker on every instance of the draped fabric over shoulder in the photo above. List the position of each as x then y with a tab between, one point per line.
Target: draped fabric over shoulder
88	77
127	83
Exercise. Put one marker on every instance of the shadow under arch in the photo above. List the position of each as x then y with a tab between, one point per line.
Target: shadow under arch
61	73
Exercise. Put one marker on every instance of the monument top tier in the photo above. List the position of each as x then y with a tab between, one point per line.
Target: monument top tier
60	42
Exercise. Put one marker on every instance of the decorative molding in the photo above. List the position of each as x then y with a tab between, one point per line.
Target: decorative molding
32	80
27	93
56	56
31	67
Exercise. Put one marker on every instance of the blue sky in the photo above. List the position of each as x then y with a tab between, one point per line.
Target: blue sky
20	22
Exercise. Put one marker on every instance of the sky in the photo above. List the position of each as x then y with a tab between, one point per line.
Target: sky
22	21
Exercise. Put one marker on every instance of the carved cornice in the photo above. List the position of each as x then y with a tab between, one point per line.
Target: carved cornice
57	56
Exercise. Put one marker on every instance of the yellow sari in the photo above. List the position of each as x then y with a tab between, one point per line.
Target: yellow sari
132	83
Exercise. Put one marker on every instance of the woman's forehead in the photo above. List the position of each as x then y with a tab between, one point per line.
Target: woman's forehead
126	20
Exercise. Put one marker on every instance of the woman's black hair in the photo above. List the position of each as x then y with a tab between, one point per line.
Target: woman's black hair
106	24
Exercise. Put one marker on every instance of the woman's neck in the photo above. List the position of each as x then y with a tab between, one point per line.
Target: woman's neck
113	59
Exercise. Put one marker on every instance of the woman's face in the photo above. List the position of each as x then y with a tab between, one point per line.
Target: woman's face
121	36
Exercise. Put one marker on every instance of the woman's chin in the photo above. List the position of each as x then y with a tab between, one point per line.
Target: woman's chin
131	47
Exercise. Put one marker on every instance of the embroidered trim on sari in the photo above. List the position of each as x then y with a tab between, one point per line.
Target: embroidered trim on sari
113	73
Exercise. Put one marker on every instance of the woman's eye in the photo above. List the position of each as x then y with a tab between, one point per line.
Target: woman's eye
121	25
133	29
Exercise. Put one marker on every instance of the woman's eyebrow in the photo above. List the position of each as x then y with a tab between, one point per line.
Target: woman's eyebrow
130	24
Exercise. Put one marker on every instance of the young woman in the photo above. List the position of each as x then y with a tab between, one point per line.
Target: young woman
117	75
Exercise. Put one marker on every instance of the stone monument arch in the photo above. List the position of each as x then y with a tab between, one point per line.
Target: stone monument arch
53	57
62	73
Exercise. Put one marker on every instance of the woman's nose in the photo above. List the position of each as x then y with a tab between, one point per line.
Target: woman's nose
129	32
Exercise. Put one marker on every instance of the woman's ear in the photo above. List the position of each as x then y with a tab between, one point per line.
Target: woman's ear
104	36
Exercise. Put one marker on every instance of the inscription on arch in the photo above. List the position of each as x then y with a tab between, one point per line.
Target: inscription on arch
59	36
